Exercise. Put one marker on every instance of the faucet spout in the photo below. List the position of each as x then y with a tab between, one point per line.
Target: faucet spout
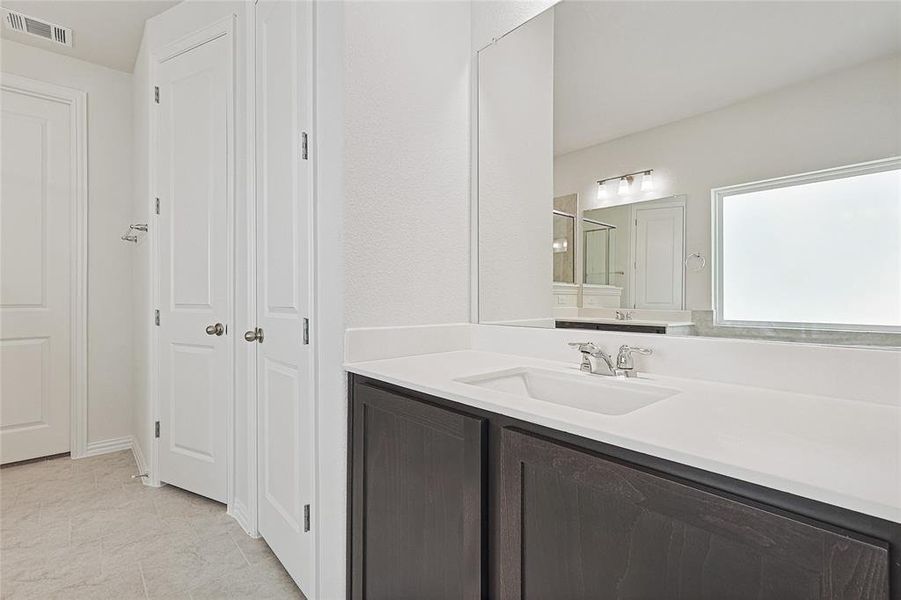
595	360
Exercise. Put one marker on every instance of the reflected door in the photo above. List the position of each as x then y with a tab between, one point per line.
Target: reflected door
36	211
283	223
659	234
194	354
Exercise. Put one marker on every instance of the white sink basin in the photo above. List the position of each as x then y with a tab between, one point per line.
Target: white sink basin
595	393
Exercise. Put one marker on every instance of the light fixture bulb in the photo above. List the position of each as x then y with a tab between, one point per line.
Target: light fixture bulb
623	188
602	190
647	183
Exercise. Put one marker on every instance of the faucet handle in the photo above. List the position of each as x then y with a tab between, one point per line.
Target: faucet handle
587	347
624	357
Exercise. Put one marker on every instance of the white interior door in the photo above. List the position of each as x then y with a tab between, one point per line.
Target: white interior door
285	391
195	374
37	201
659	233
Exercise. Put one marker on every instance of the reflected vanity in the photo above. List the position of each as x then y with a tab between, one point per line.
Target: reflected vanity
708	187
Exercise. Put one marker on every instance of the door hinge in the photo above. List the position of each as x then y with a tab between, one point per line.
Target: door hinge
304	145
157	205
156	94
306	517
306	331
156	317
156	429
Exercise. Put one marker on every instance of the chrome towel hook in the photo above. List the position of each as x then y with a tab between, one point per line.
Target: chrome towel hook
132	233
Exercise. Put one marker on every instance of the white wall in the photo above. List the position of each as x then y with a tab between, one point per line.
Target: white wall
406	220
109	213
516	155
843	118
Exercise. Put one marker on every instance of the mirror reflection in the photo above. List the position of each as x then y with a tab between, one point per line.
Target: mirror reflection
726	169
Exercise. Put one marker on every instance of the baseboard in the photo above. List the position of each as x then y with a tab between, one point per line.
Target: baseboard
107	446
240	514
139	455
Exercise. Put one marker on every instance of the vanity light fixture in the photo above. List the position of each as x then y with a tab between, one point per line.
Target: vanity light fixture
625	183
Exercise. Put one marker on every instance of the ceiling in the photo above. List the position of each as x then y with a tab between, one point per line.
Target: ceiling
104	32
623	67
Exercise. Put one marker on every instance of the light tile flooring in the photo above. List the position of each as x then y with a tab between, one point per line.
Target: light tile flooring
74	529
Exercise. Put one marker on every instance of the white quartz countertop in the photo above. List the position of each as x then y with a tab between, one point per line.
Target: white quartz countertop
841	452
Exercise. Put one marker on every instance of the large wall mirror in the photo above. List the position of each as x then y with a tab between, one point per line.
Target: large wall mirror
694	168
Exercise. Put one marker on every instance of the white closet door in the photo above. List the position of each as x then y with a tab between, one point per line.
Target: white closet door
193	173
658	258
37	200
285	391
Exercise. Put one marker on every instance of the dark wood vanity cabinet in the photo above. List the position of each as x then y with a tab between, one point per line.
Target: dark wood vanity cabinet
575	525
418	498
448	501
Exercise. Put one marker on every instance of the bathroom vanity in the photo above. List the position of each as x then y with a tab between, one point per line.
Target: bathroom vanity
450	499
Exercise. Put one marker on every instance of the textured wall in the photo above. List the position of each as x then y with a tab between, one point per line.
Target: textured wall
407	154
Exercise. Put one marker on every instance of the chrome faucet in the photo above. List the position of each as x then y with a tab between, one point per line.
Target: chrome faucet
598	362
624	362
623	316
595	360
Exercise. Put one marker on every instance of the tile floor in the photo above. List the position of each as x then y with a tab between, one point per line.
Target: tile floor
73	529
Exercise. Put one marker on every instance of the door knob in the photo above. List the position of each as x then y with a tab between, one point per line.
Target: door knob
217	329
254	335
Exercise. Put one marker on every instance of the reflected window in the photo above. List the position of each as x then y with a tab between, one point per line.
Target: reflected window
818	251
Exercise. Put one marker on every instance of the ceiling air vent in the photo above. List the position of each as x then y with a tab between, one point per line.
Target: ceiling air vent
38	28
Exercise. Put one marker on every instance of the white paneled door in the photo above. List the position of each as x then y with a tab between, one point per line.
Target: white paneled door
37	214
659	235
285	392
195	372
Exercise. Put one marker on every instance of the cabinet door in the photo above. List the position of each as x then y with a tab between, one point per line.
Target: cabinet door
574	525
417	499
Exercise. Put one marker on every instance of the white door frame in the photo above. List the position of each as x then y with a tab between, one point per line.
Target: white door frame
676	201
246	361
76	100
222	27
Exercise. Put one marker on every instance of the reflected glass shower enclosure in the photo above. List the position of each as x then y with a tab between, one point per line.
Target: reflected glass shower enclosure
599	244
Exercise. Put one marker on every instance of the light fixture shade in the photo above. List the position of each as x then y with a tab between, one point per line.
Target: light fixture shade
623	187
647	182
602	190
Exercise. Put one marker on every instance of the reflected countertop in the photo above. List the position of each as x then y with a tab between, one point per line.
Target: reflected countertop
626	322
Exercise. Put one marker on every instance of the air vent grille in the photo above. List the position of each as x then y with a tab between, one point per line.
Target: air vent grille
39	28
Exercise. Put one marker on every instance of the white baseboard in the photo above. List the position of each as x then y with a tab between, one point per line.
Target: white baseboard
107	446
139	456
240	514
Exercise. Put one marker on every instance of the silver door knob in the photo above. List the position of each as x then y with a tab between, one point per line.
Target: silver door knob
216	329
254	335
